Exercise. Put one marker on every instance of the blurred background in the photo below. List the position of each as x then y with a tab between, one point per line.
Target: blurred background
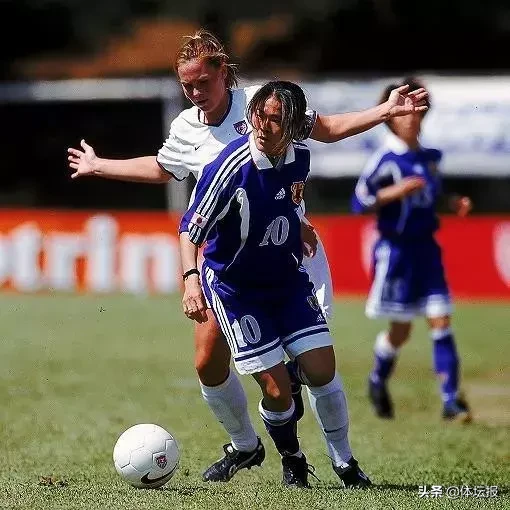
71	69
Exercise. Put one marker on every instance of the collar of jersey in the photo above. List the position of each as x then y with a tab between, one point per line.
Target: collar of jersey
262	161
225	115
396	145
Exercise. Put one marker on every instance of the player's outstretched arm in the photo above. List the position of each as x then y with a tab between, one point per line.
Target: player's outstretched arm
84	162
331	128
407	186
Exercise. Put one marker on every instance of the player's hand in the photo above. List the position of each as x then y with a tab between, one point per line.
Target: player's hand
409	185
83	161
193	300
309	239
462	206
401	102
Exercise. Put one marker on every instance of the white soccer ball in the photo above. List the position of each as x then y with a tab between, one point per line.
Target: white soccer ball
146	456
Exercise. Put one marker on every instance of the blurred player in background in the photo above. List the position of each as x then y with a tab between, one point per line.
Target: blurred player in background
246	208
402	184
196	137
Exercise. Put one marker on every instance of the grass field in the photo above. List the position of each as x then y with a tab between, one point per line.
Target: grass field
76	371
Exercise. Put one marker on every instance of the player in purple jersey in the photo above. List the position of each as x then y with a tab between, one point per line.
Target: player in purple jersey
402	184
196	137
246	207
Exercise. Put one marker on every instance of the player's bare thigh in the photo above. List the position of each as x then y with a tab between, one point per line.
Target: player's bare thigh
212	354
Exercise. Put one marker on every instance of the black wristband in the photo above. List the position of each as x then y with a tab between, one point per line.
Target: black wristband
190	272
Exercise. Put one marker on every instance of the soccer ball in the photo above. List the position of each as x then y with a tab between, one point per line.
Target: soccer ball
146	456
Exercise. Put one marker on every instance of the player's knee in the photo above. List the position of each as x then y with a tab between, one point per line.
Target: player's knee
321	378
318	365
439	322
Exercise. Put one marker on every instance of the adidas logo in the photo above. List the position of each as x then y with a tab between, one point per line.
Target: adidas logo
280	195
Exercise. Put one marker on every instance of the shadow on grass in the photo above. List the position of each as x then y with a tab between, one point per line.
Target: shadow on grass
193	490
374	487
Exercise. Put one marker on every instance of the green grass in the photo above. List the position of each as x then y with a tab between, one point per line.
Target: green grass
76	371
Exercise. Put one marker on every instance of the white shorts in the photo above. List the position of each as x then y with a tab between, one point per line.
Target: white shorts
317	268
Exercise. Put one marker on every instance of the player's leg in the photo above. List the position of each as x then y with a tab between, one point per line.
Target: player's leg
248	325
277	410
392	296
318	270
306	338
386	349
436	306
225	396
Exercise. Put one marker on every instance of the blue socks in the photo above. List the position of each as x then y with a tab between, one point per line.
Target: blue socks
384	359
281	426
446	363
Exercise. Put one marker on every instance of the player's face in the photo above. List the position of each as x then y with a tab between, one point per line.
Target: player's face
204	85
267	124
408	126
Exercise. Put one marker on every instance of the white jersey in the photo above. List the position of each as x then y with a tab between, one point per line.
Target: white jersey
191	145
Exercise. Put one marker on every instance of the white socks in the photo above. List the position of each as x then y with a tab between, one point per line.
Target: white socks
228	402
382	346
330	409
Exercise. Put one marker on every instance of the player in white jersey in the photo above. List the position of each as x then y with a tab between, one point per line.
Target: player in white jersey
196	137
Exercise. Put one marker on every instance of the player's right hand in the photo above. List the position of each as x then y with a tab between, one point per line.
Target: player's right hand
193	300
410	185
82	161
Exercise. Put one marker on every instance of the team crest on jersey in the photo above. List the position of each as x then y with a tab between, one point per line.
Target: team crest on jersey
297	189
161	461
241	127
314	303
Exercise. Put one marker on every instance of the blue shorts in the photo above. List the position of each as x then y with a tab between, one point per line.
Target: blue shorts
261	327
408	280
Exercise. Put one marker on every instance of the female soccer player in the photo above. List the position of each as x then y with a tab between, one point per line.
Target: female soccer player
196	137
402	184
245	209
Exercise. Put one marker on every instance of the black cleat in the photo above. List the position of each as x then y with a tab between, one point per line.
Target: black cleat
380	399
234	460
457	410
295	471
352	475
295	386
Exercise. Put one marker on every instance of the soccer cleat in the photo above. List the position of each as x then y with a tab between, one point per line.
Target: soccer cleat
296	387
234	460
352	475
381	401
457	410
295	471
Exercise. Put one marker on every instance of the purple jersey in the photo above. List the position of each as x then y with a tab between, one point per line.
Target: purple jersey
413	216
247	212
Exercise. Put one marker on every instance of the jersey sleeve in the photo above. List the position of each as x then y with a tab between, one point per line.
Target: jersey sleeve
378	172
211	202
171	155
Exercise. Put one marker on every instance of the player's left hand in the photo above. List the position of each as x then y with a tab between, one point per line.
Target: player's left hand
309	239
462	206
401	102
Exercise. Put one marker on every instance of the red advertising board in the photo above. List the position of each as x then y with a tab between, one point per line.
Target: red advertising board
138	252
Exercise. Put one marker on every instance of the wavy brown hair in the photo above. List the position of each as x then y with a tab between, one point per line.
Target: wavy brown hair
204	45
